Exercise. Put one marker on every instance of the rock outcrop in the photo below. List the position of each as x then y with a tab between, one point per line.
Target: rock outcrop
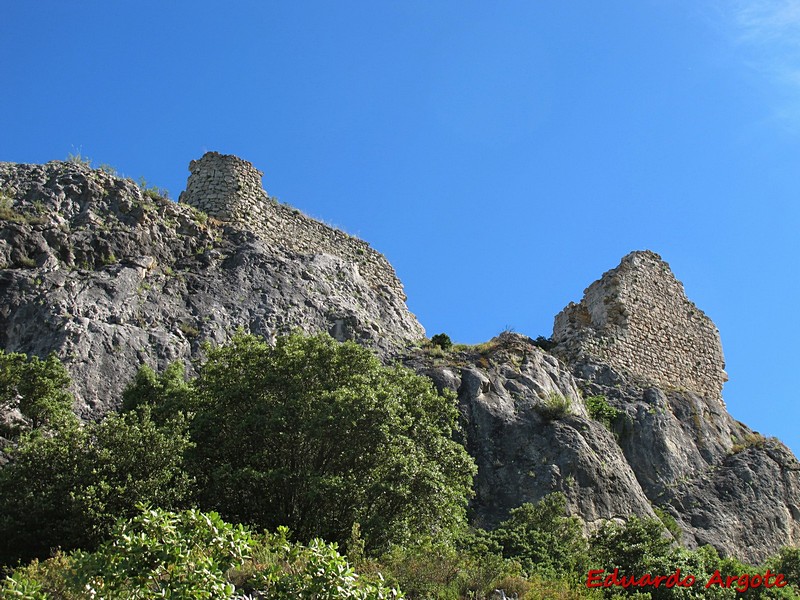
525	447
110	276
637	340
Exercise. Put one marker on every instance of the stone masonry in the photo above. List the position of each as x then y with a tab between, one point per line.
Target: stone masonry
229	189
637	319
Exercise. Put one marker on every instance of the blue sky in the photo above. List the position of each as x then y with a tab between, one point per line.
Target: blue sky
502	155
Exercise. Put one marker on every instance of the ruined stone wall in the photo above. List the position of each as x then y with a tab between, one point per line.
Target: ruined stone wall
224	186
229	189
637	319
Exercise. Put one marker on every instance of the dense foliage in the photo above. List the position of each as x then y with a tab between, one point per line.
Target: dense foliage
194	555
442	340
600	410
542	538
37	389
316	435
66	489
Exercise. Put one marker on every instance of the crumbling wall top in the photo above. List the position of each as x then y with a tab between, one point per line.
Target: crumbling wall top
637	318
229	189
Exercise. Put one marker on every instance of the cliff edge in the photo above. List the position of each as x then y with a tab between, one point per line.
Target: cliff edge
110	276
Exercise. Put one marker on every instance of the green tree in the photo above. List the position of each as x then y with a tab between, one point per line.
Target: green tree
66	489
542	538
787	562
37	388
318	435
442	340
167	394
631	547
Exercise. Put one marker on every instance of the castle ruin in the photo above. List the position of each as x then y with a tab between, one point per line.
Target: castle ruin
637	319
225	187
229	189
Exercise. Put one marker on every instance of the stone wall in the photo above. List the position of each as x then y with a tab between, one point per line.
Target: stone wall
224	186
229	189
637	319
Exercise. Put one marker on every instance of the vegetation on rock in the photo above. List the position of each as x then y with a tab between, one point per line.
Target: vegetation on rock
176	496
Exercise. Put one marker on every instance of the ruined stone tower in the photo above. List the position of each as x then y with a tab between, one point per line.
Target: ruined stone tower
225	187
229	189
637	318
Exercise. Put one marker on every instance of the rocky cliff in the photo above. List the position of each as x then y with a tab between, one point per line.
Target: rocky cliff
638	341
110	276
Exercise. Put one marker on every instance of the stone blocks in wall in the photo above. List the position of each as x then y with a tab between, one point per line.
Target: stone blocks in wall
229	189
637	319
225	187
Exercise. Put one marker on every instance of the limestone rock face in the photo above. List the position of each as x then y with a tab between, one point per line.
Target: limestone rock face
523	452
110	278
637	319
638	341
725	484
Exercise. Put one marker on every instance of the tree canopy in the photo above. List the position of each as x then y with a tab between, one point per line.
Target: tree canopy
318	435
37	388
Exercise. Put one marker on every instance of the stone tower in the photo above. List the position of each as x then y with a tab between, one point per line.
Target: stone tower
225	187
637	319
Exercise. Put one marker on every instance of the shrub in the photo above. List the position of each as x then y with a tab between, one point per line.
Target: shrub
750	440
76	158
600	410
281	569
37	388
189	330
631	547
542	538
108	170
162	554
194	555
151	191
167	395
555	406
544	343
68	488
669	522
442	340
318	435
434	570
7	212
787	562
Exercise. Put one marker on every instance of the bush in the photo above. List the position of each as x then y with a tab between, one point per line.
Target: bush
544	343
66	489
167	396
162	554
194	555
555	406
542	538
318	435
600	410
787	562
442	340
151	191
37	388
435	570
630	547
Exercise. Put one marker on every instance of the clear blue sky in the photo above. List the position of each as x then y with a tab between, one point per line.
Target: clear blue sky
503	155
